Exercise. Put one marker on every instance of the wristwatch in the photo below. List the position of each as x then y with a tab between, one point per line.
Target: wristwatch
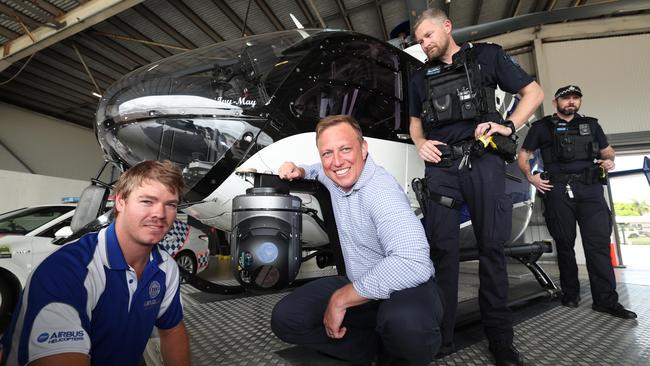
508	123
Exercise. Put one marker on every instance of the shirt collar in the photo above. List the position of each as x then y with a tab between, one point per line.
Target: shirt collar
116	257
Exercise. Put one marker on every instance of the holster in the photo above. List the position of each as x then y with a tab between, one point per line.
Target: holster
506	147
595	174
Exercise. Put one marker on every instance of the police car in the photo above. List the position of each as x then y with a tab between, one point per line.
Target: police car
30	234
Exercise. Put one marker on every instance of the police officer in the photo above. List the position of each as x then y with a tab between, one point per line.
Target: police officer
576	156
444	134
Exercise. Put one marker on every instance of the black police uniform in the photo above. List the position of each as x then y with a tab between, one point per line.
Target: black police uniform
483	189
578	196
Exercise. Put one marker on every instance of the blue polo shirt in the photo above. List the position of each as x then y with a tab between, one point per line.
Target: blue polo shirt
497	69
85	298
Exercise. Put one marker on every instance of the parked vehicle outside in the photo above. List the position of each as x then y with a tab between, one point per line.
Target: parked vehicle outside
30	234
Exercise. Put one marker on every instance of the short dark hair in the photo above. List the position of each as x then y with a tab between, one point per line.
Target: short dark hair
330	121
164	171
431	14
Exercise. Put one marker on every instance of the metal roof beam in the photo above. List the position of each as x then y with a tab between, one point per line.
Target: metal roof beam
45	71
92	55
50	8
311	21
27	91
477	12
355	9
382	23
76	65
13	14
318	16
53	89
134	33
550	5
515	6
268	12
197	20
232	16
117	48
76	20
573	30
18	97
158	22
38	12
8	33
142	41
344	14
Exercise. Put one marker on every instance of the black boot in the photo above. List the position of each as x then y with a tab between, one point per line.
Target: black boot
506	355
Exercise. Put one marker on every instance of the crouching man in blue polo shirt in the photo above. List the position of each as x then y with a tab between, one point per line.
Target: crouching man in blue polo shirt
95	301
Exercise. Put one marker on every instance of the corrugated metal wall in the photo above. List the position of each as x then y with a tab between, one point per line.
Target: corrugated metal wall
613	74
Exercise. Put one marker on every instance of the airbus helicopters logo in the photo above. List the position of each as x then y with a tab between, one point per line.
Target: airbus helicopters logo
61	336
243	101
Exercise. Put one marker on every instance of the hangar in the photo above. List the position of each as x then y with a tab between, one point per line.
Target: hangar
60	58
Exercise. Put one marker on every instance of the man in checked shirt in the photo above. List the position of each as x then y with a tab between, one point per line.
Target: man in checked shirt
387	303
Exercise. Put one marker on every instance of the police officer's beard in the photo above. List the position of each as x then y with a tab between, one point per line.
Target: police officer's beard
569	111
436	52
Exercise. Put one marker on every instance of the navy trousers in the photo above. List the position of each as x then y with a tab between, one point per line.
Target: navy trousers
405	327
589	209
483	189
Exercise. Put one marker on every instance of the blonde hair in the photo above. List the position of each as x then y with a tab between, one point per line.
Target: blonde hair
330	121
164	171
434	14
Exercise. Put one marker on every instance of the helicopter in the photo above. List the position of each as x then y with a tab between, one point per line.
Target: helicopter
229	114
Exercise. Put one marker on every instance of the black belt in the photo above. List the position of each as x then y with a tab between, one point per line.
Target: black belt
562	178
451	153
588	176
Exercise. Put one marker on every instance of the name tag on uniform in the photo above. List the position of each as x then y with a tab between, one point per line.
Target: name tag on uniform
434	70
584	129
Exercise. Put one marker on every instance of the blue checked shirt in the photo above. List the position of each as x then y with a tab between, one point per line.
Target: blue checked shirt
383	242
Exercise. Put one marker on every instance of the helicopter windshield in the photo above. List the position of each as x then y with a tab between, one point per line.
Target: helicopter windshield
195	108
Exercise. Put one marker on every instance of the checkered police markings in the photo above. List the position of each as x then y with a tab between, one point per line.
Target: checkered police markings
203	259
175	238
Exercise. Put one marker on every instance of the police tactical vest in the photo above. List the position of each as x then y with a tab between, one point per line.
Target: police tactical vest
454	92
575	140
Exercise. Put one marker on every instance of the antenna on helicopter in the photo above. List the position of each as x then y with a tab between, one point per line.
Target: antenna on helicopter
298	25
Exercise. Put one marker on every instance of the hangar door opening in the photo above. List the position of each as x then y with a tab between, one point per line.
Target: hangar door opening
631	200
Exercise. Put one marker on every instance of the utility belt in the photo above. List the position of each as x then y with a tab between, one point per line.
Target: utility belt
591	175
503	146
451	153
